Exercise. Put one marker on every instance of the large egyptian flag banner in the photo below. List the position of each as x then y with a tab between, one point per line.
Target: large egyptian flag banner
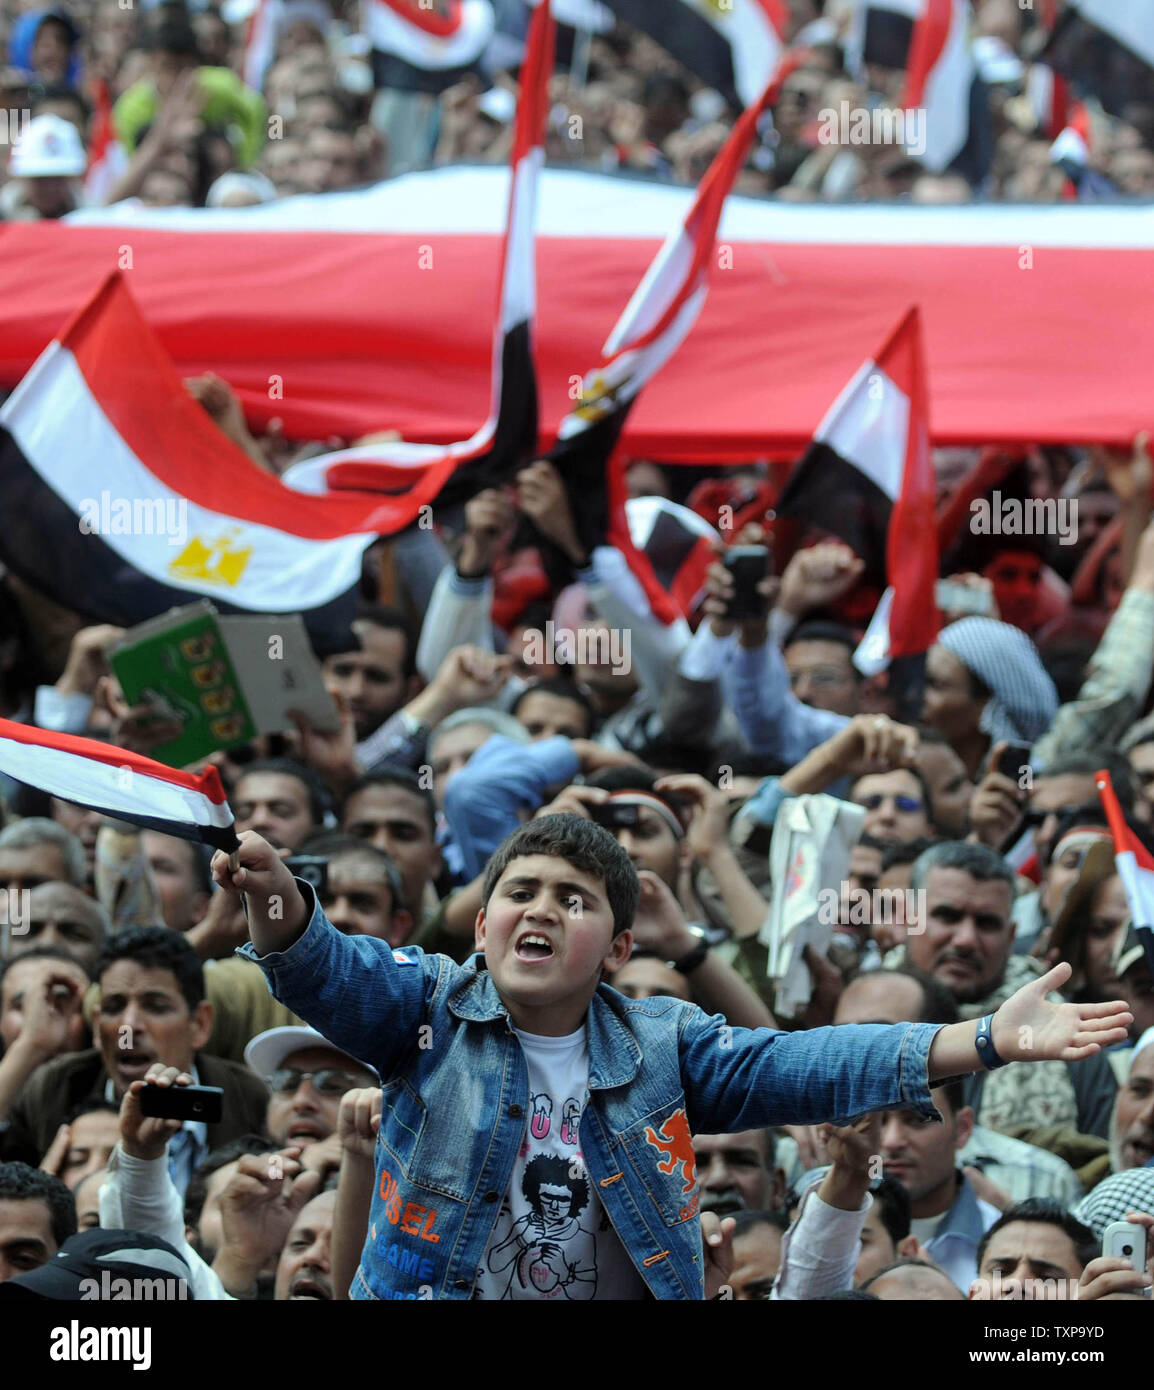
117	783
121	497
734	46
426	45
1106	47
653	325
868	477
508	437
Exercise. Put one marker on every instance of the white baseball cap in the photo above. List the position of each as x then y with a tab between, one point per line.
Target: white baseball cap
267	1051
48	147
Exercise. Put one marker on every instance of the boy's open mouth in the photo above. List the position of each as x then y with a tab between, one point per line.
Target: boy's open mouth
533	946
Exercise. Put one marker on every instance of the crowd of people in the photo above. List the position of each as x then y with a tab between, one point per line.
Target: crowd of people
486	992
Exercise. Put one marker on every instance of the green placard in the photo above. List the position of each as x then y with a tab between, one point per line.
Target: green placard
181	664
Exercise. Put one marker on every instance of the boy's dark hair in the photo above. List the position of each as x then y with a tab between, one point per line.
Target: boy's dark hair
157	948
320	801
586	846
21	1183
893	1207
197	1191
1045	1211
401	777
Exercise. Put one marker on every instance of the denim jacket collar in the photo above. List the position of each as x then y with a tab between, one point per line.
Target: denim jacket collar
614	1053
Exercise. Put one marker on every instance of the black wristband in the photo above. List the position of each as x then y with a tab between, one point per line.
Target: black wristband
985	1044
690	962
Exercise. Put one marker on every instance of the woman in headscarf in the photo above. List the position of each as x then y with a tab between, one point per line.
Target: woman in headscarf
986	683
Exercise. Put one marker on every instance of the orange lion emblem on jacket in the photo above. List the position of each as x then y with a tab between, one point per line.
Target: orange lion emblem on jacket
674	1141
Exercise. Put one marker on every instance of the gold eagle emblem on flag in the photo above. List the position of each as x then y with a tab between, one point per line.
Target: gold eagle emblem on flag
209	561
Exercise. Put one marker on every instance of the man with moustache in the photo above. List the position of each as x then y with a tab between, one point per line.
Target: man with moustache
965	940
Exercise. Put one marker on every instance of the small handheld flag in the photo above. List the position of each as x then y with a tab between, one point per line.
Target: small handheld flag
118	783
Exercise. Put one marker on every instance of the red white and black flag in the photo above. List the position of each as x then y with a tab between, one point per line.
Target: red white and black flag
117	783
122	497
1106	48
734	47
426	45
1134	861
508	437
948	122
653	325
868	477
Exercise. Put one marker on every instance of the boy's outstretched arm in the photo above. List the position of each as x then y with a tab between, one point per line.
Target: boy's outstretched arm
277	912
1031	1028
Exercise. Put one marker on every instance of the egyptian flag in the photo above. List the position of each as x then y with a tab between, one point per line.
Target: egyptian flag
121	497
868	477
735	46
426	45
508	438
261	34
1073	153
107	157
1106	48
126	786
654	324
1135	866
930	39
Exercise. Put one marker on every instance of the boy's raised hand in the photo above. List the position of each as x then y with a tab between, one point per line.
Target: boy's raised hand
1031	1028
277	913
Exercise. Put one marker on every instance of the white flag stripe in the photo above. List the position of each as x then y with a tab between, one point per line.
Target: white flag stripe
579	204
757	46
947	95
1139	887
664	276
92	783
391	33
519	304
868	426
284	573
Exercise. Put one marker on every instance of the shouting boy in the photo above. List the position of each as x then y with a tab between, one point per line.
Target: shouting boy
534	1139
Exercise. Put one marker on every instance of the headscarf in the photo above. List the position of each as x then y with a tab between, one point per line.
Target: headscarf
1023	701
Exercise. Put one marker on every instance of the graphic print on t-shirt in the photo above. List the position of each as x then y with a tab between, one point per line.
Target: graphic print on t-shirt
553	1238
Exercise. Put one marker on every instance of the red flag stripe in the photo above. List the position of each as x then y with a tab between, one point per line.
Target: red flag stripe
931	34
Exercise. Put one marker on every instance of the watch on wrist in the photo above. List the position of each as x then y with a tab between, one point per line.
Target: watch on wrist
985	1044
692	960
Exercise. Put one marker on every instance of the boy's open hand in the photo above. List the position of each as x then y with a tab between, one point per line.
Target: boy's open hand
1031	1028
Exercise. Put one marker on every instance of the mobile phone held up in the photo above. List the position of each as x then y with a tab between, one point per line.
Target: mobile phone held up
1013	760
613	815
1126	1240
204	1103
748	565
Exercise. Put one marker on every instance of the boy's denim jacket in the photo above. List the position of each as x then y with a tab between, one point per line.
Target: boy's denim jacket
456	1102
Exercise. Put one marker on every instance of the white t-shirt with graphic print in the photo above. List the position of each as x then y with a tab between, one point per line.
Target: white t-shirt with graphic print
553	1238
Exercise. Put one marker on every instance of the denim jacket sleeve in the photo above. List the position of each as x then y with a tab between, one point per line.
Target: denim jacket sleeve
738	1078
353	989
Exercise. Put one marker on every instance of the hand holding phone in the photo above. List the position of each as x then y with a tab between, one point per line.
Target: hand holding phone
204	1103
748	565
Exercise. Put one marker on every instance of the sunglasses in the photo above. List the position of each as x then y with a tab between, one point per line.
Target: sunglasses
329	1081
903	803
